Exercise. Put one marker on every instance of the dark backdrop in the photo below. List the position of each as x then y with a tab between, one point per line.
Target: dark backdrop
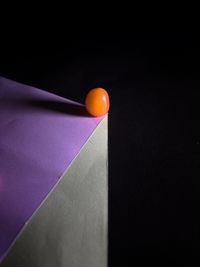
154	131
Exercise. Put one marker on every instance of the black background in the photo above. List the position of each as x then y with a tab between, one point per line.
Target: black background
154	131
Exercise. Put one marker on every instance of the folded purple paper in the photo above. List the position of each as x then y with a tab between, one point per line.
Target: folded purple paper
40	135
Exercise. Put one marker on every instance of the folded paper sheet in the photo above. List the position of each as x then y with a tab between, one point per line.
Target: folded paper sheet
70	227
40	135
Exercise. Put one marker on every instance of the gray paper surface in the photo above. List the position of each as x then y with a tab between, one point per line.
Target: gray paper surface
70	228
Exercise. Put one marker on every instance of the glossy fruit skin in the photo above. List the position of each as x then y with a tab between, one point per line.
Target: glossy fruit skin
97	102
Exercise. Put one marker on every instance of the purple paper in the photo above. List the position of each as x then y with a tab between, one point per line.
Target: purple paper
40	135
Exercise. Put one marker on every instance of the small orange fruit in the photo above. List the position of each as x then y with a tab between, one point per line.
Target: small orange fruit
97	102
